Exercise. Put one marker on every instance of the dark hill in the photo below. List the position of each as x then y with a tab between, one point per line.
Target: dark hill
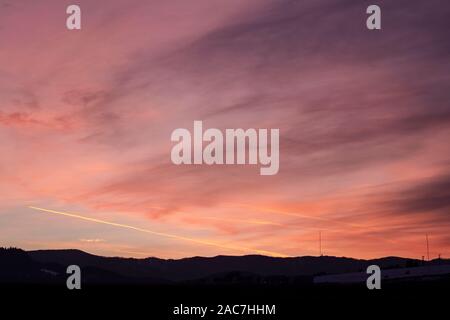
200	267
49	266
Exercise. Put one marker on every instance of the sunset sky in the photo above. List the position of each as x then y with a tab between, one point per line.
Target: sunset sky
364	118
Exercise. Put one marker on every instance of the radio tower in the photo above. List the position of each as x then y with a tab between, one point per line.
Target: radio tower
428	249
320	243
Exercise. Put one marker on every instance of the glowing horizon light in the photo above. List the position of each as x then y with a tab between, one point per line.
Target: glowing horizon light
161	234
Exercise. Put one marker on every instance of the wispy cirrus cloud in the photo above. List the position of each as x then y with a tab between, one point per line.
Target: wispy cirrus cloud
85	121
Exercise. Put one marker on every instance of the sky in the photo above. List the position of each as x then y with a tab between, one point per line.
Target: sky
86	118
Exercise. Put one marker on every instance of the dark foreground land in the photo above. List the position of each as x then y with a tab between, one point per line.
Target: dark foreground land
33	284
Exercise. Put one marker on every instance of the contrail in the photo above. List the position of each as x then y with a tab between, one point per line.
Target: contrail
167	235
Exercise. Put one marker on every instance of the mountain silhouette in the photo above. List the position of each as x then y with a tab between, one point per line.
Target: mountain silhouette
49	266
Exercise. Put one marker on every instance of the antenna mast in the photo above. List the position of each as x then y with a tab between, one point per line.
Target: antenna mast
320	243
428	249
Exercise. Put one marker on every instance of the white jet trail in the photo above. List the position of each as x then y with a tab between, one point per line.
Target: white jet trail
167	235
